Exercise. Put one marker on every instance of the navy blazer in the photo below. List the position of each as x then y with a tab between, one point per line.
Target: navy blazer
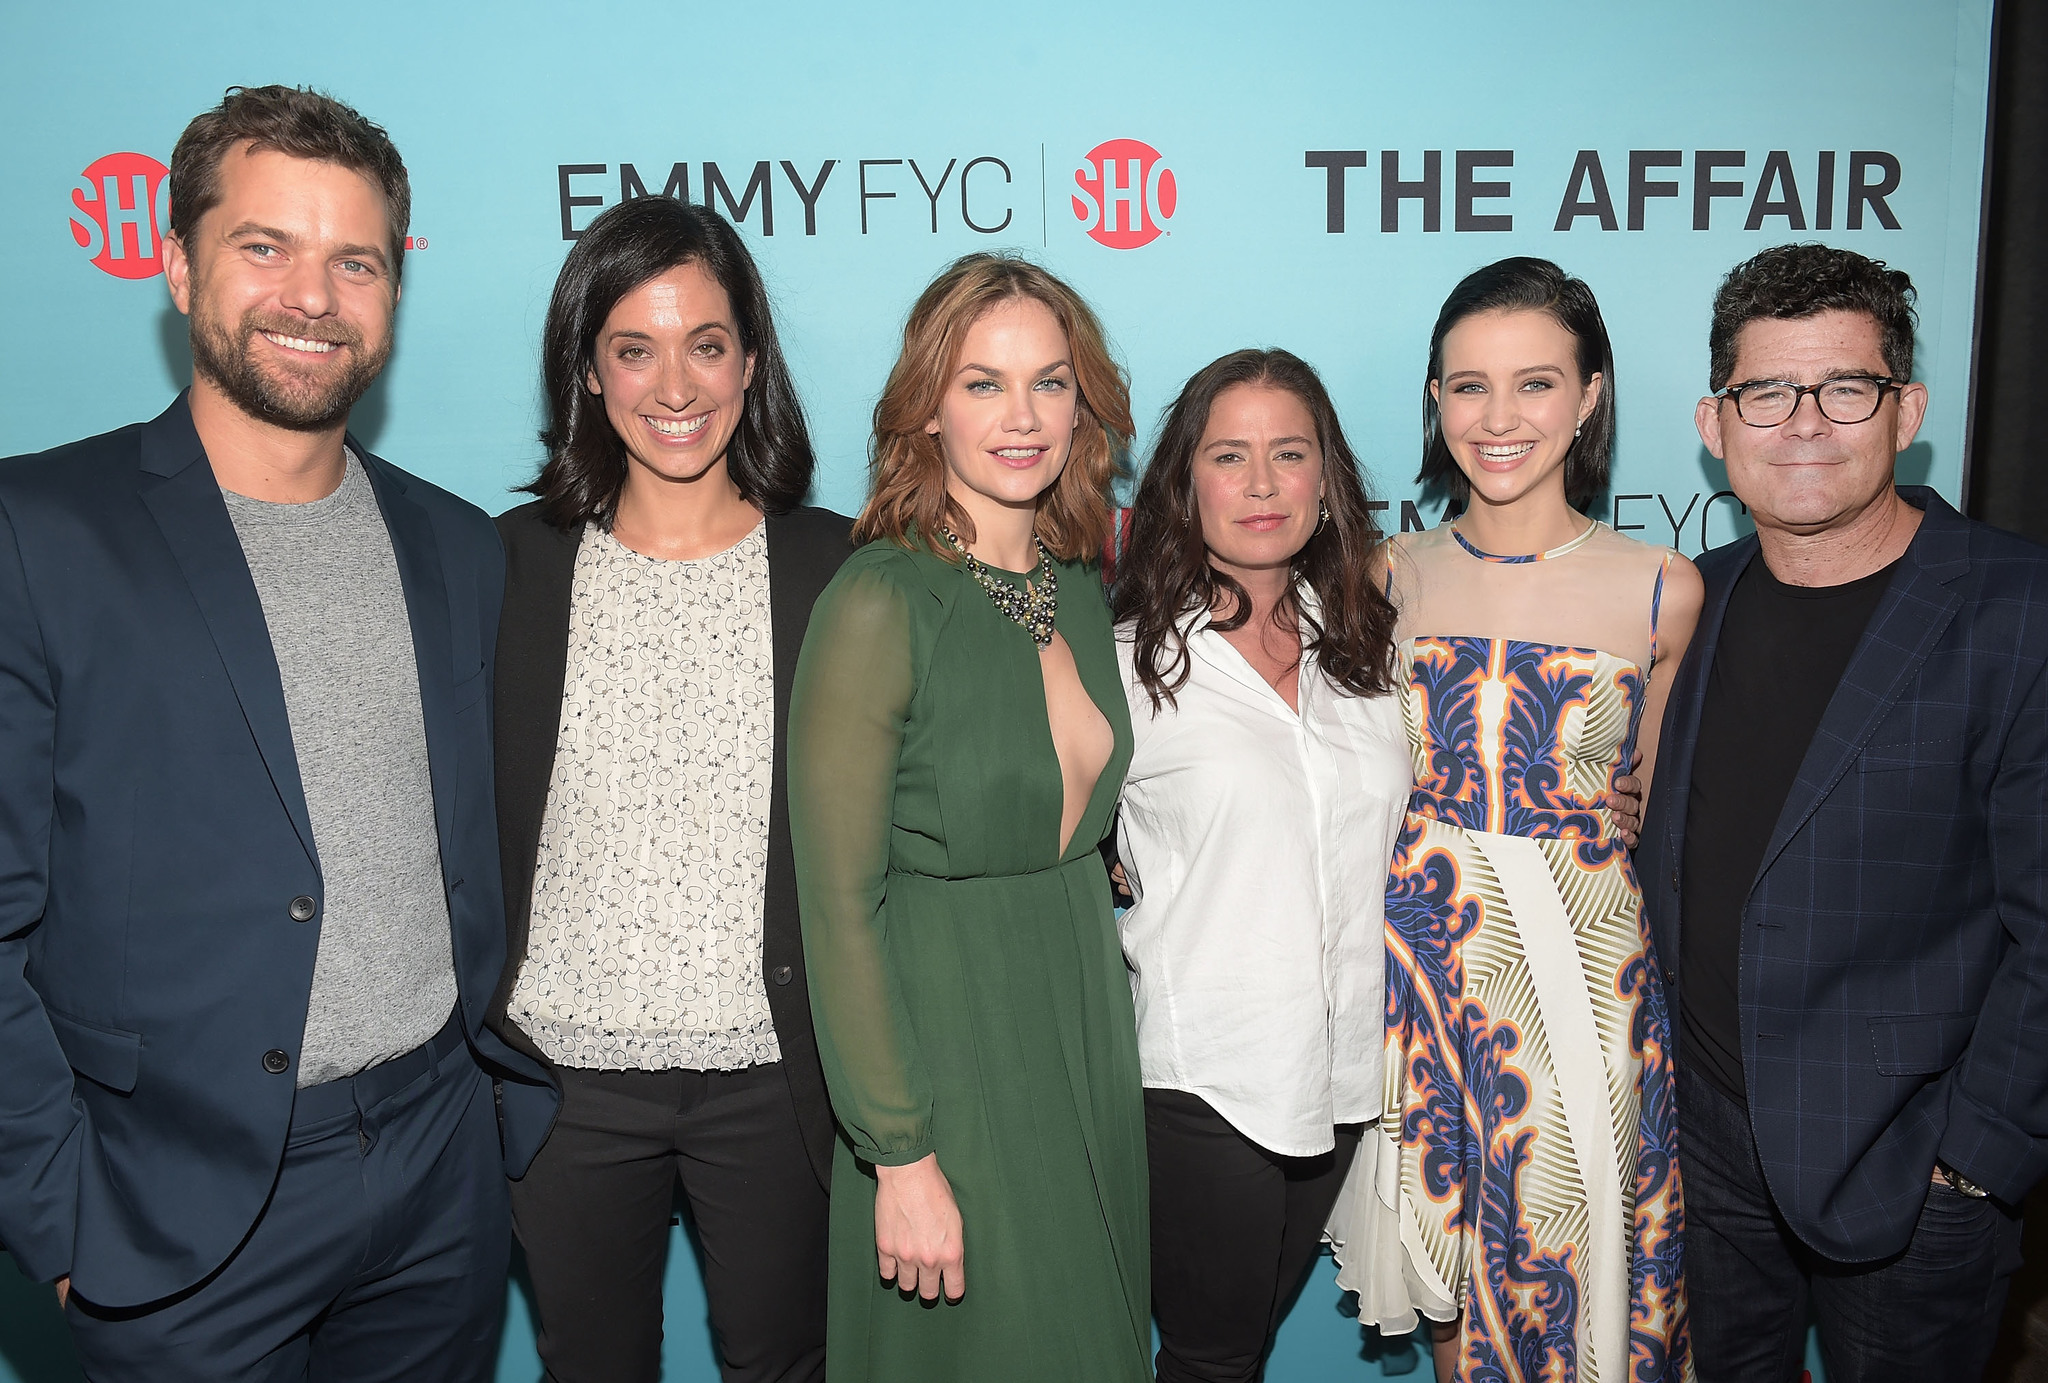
1894	949
153	834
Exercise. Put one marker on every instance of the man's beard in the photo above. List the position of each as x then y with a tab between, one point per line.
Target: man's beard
226	357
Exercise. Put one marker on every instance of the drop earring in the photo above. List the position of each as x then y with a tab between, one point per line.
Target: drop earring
1322	515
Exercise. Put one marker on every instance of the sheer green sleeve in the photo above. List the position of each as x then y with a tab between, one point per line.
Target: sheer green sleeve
848	705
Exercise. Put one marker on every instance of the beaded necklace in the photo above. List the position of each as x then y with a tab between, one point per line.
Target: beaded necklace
1034	606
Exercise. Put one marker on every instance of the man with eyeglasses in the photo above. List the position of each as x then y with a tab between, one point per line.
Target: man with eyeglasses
1843	862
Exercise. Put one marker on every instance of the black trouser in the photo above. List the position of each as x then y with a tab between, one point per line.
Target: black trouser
1235	1230
593	1215
1929	1312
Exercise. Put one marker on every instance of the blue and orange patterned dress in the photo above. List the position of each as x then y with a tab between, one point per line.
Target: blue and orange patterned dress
1529	1124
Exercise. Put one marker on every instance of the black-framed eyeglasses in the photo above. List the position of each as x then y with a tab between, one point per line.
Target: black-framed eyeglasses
1845	399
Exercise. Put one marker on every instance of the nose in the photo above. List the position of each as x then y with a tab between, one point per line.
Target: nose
1807	420
1261	481
675	388
1020	410
1502	413
308	287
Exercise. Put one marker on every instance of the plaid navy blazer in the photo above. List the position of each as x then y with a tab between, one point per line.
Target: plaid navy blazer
1894	973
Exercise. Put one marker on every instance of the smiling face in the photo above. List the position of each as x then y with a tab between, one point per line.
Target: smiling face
1005	422
1258	478
290	288
670	368
1808	474
1510	399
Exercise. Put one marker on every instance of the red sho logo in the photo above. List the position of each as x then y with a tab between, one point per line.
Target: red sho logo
1124	194
120	209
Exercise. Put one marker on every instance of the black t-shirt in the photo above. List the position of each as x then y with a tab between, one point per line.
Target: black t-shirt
1781	654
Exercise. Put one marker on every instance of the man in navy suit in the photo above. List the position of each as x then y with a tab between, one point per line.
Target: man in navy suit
1843	862
251	1123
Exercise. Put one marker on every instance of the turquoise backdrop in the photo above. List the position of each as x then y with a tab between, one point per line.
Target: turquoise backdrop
1310	175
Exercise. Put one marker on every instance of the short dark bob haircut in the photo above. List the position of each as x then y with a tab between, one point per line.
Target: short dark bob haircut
1525	284
769	458
1165	573
1793	281
297	121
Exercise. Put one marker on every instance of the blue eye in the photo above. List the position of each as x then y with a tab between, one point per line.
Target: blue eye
1051	384
980	386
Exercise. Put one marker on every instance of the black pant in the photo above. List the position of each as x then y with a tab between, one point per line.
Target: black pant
381	1254
593	1215
1235	1230
1930	1312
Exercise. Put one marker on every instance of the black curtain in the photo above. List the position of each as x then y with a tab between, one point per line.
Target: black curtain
2008	471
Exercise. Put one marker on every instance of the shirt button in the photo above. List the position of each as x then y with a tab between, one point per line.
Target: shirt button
303	908
275	1061
783	974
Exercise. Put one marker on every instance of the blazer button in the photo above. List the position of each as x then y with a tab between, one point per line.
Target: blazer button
783	974
303	908
276	1062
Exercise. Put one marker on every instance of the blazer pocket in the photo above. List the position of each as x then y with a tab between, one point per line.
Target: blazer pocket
106	1056
1937	752
1922	1045
468	691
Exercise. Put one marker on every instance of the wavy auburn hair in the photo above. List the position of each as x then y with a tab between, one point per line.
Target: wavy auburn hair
1165	573
907	468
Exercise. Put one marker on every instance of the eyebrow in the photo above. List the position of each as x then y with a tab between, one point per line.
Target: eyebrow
1041	372
1277	441
1525	370
646	336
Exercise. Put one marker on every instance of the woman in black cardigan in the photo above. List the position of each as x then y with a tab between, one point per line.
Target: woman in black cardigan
657	593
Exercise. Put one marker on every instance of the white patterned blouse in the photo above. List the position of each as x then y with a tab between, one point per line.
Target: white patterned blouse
645	948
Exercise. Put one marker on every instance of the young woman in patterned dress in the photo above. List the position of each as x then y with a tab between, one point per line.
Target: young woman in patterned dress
1530	1175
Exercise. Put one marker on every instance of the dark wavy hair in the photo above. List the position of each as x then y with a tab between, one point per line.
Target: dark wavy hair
1526	284
769	458
1791	281
1165	572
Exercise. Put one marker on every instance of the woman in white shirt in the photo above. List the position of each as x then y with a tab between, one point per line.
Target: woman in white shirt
1268	777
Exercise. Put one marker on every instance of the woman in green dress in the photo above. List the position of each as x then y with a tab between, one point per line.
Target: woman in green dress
958	736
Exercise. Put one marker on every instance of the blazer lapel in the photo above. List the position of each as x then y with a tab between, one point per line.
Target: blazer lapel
1916	607
186	504
1688	698
418	553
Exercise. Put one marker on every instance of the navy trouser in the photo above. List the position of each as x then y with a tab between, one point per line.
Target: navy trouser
1930	1312
382	1254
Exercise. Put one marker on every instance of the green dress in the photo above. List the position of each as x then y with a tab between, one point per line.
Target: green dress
968	987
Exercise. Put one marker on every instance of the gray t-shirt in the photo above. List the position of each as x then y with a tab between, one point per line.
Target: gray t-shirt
384	979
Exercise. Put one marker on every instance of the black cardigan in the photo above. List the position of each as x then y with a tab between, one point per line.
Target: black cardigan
805	549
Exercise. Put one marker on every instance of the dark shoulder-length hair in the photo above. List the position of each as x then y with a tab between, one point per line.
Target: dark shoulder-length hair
769	457
1165	572
1526	284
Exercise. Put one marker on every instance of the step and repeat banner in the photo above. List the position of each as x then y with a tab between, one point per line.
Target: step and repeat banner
1210	176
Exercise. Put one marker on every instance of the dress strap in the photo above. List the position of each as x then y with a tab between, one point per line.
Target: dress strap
1656	600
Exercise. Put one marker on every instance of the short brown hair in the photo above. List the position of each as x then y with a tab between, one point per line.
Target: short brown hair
297	121
907	485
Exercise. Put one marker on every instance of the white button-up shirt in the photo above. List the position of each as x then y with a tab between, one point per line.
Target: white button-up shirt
1256	842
